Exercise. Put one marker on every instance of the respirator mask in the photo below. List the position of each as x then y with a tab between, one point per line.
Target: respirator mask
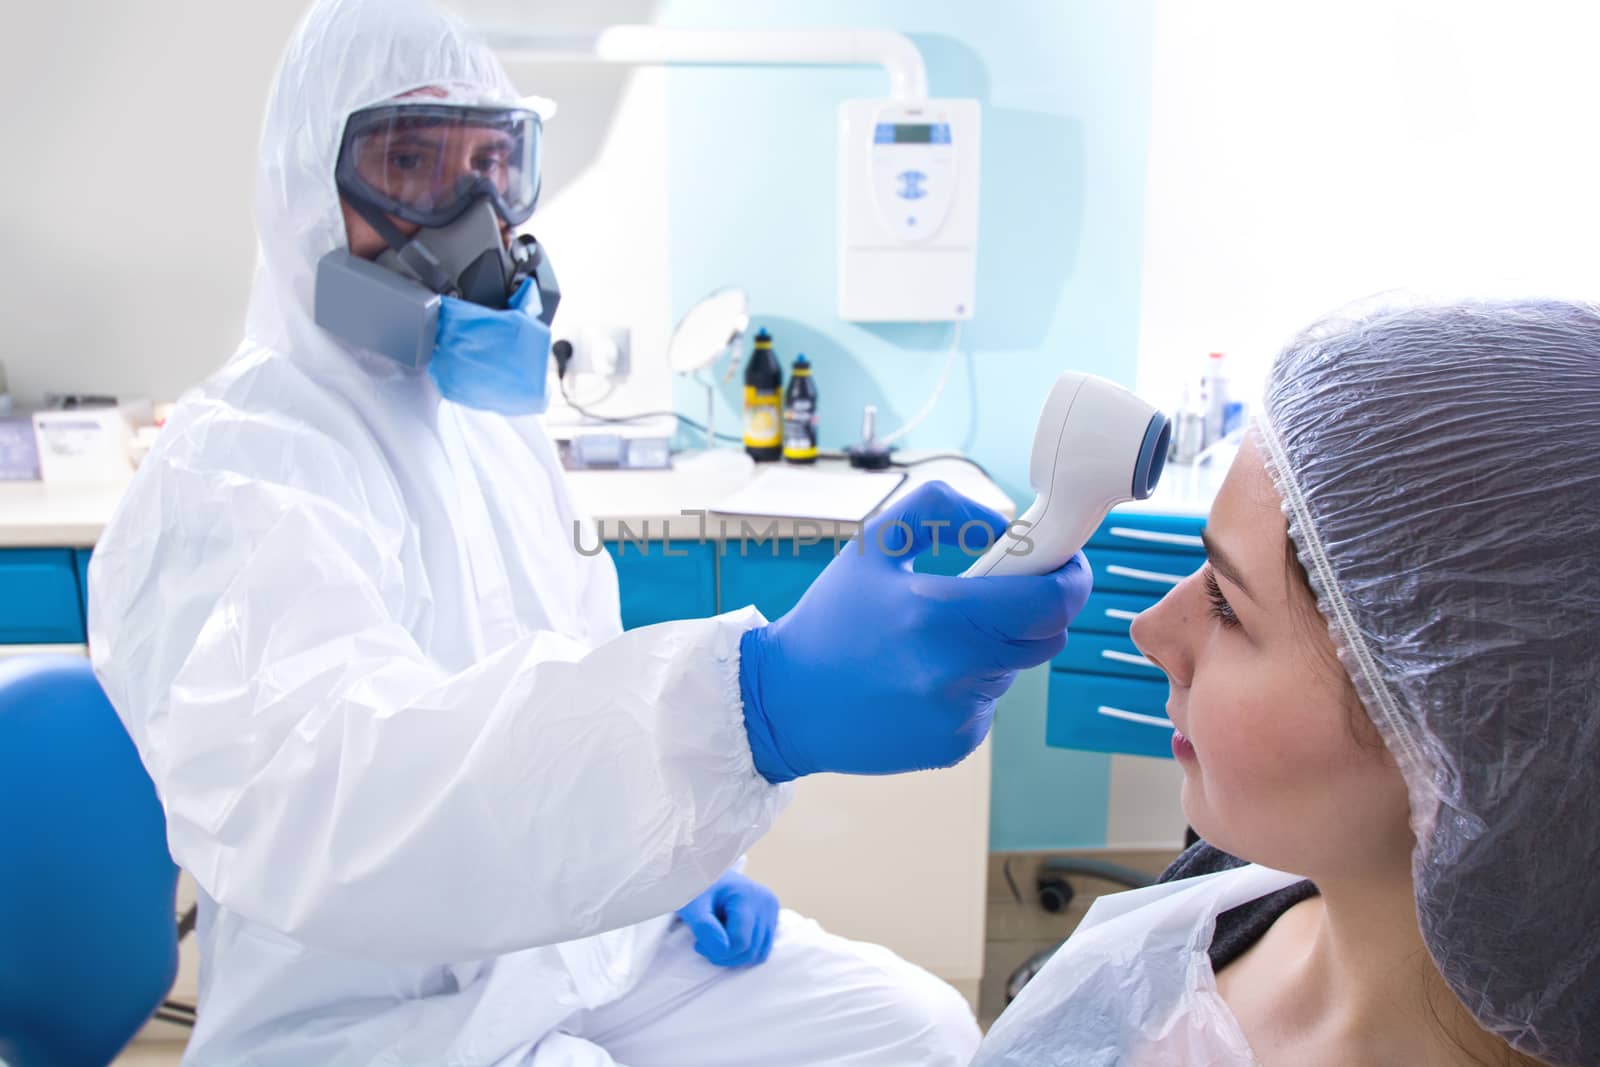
465	175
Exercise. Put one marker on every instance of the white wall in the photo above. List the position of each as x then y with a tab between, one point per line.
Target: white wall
1303	156
1306	155
603	216
130	135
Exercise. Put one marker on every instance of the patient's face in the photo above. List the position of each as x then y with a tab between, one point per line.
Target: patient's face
1282	767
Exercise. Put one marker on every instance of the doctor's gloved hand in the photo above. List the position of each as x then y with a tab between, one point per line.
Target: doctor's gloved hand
879	669
733	922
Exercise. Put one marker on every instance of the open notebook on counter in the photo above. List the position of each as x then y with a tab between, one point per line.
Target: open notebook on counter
797	493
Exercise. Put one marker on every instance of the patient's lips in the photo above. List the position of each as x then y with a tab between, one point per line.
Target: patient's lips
1181	748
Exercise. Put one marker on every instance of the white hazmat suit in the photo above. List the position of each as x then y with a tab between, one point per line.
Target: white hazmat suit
439	808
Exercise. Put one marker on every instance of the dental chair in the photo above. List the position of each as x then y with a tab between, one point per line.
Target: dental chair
88	929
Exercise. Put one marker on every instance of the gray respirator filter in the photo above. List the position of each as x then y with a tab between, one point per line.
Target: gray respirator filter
391	305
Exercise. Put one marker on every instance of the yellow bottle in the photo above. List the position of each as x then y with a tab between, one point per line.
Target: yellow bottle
763	390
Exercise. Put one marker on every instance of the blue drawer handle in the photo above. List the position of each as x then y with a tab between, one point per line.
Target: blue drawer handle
1158	538
1134	716
1128	657
1144	576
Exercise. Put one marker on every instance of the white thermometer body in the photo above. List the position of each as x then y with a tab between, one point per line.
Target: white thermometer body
1097	445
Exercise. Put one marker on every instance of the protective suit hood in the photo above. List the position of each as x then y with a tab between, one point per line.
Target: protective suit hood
343	58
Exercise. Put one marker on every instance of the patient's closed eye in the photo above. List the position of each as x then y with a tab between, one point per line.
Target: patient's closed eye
1221	610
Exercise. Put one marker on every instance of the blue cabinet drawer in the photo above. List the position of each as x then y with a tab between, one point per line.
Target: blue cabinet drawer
1090	653
81	556
1148	574
660	581
1111	613
40	602
1105	714
772	575
1155	533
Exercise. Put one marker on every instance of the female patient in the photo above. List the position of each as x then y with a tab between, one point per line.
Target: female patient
1386	680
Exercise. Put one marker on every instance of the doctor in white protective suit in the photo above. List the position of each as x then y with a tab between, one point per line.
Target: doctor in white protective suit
439	807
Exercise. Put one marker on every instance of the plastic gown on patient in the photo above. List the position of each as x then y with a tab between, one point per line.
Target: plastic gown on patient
1440	469
375	683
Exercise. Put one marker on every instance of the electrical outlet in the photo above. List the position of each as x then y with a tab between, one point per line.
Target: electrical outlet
622	339
604	353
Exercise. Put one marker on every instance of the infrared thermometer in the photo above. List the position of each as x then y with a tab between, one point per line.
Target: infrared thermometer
1097	445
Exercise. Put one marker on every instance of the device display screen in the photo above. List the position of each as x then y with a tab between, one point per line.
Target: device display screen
911	133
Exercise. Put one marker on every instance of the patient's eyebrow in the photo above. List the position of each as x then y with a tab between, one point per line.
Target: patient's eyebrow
1223	565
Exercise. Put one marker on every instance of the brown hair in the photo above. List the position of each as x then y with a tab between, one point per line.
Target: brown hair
1304	608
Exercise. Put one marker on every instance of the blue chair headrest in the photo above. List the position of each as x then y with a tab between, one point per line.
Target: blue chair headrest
88	938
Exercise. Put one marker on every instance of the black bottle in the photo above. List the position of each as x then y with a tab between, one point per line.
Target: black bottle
800	414
763	387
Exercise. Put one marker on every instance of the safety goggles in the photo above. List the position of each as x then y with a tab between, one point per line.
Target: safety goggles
427	163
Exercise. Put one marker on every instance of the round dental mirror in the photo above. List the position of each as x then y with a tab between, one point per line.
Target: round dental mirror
709	330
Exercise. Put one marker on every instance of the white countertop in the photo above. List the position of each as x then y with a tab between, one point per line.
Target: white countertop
33	514
652	503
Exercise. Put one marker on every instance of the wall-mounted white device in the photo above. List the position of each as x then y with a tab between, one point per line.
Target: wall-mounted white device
908	209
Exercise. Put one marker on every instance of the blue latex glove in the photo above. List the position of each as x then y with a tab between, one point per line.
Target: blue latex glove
493	360
733	921
879	669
